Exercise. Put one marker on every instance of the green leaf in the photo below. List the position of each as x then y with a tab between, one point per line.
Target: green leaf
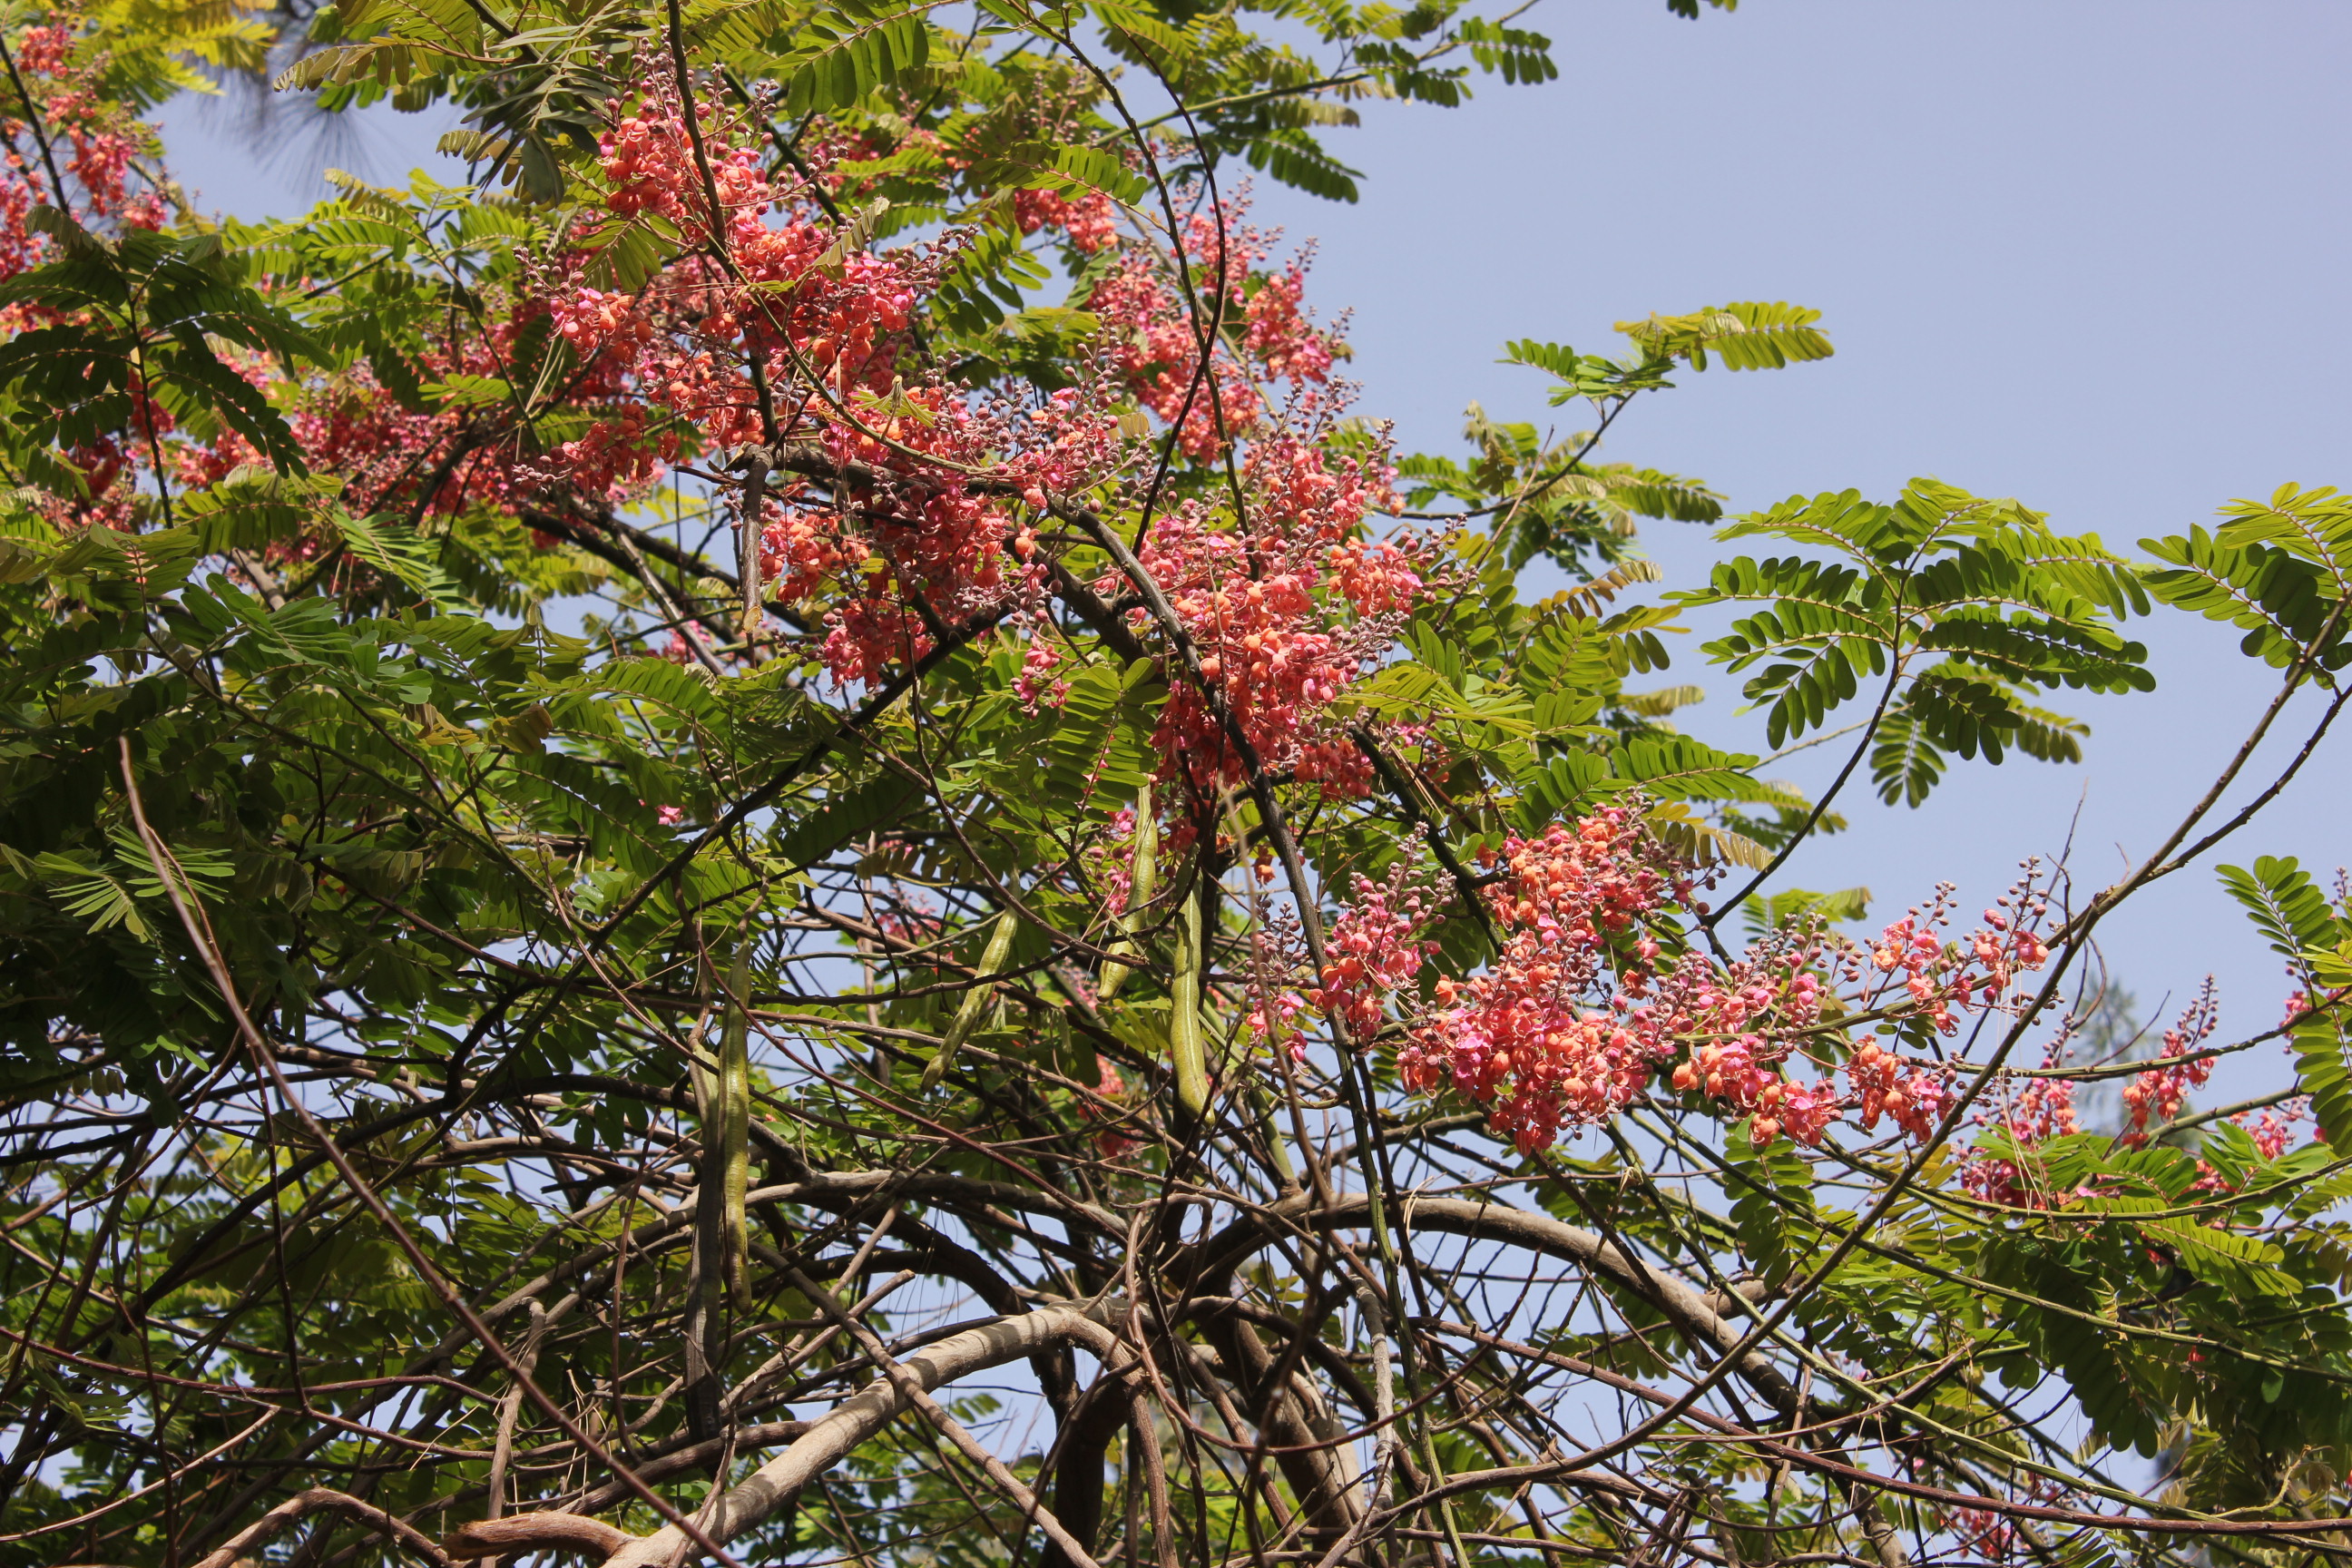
251	507
1098	170
392	548
846	818
839	61
1675	768
2320	1073
2286	907
1296	159
1747	335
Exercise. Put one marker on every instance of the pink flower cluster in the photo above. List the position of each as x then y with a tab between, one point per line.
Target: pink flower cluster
424	459
2157	1094
1577	1015
93	138
1743	1016
927	525
1151	312
1110	862
2042	1110
1526	1039
1036	686
1911	1096
1279	336
896	501
2272	1129
1944	980
1287	612
1372	950
682	340
1087	218
943	540
1109	1142
408	456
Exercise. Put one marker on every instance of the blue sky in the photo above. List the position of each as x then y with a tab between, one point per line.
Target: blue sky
2089	255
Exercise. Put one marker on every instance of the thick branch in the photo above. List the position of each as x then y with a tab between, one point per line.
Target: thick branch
535	1533
269	1526
830	1439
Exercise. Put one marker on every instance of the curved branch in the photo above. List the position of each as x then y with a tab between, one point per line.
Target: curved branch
270	1524
830	1439
1686	1307
536	1532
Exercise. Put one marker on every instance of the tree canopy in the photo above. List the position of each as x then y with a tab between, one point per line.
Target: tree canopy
684	877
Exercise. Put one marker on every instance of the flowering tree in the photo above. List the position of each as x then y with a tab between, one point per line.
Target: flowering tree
682	879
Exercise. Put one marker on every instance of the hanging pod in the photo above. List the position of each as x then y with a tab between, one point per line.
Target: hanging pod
1184	1044
734	1118
1143	880
976	1001
723	1094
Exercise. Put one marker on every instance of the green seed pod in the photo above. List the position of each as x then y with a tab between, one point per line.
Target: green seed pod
1184	1046
976	1001
734	1118
1143	880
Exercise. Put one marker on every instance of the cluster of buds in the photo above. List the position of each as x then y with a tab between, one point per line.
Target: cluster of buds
1372	950
1946	980
2157	1094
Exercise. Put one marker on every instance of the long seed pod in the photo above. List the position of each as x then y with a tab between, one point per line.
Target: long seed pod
1141	883
976	1001
1184	1048
747	542
735	1115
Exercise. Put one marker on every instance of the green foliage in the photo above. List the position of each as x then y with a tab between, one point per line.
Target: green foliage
838	63
1942	611
656	984
2313	934
147	311
1795	905
1551	501
2280	571
1743	336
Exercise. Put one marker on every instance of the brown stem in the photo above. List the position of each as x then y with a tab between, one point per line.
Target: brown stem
510	1408
911	1389
269	1525
829	1440
1146	1430
535	1533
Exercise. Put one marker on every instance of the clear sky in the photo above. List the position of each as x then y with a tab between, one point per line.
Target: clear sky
2089	255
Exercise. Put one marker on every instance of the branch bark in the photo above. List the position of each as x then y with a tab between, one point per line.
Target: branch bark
271	1524
830	1439
535	1533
